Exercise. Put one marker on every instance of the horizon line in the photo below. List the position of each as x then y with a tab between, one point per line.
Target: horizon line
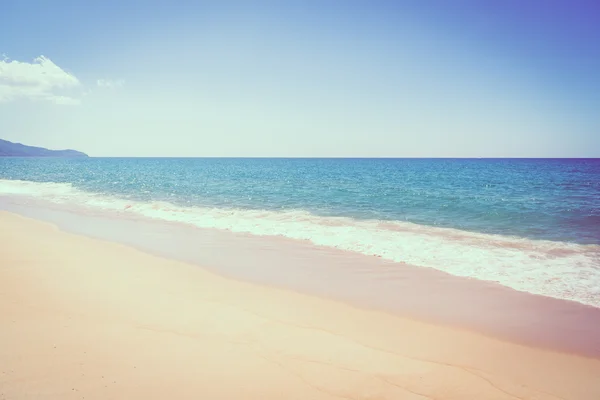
345	157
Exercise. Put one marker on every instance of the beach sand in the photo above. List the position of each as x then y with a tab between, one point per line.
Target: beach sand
82	318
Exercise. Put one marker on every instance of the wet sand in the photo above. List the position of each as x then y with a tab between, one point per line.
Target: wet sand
423	294
84	318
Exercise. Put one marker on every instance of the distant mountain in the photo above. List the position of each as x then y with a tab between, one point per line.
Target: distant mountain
10	149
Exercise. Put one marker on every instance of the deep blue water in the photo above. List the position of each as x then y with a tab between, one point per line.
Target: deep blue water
552	199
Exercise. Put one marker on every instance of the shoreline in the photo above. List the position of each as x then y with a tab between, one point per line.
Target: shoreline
557	269
105	320
423	294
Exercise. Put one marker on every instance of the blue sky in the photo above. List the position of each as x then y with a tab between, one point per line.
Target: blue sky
329	78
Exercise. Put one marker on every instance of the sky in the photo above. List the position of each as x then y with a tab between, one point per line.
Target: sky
404	78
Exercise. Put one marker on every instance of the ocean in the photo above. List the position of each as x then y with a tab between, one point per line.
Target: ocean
528	224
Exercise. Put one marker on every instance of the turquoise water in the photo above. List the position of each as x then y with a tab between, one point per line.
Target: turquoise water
533	225
538	199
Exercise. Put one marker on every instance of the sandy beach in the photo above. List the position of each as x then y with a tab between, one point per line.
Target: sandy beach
82	318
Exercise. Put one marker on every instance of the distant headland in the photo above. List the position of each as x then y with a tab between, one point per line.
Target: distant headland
10	149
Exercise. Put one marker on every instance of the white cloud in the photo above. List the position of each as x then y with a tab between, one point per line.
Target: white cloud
65	100
40	80
107	83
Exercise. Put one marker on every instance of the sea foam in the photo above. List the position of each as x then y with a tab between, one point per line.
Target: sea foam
556	269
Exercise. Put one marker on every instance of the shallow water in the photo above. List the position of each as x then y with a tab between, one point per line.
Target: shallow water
531	225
